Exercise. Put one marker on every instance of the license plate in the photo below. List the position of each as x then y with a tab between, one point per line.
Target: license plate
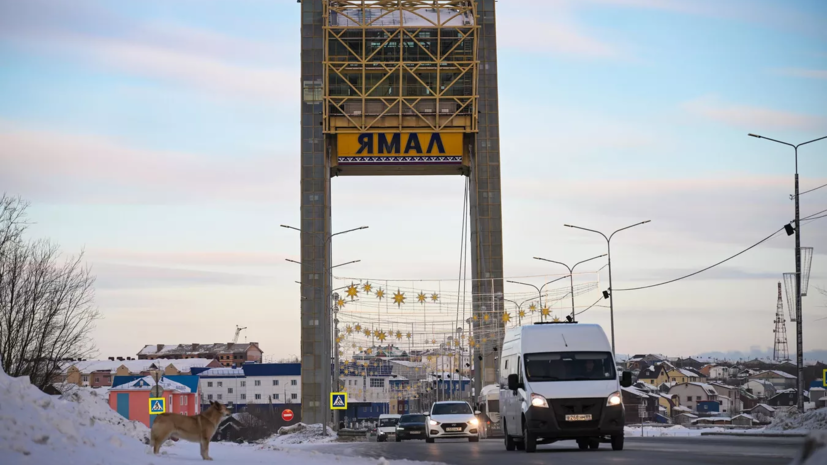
415	432
453	429
586	417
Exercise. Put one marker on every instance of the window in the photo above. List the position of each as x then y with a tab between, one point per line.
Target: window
698	398
229	390
220	384
451	408
257	382
182	400
219	396
185	400
377	382
86	379
209	383
569	366
275	382
97	379
276	396
293	382
209	396
258	396
243	383
243	396
295	396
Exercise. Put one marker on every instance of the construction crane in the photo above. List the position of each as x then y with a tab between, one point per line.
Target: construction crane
237	332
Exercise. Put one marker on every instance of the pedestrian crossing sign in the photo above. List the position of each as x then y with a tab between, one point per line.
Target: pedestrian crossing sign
157	405
824	378
338	401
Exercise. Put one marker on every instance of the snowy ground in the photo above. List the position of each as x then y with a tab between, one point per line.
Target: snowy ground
38	429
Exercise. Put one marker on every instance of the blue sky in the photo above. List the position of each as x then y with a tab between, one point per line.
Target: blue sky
162	138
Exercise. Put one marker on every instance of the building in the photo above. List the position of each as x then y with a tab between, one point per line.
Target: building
718	372
761	389
654	375
252	384
779	379
763	413
685	375
228	354
743	419
690	394
639	405
684	419
130	396
729	397
786	398
100	373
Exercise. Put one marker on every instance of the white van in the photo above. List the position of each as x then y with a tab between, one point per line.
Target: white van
387	426
559	382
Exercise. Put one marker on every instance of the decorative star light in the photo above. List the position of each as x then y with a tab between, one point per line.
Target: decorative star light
408	335
434	297
352	291
358	328
506	317
399	298
381	336
367	287
380	293
421	297
360	348
340	303
485	317
532	308
367	332
522	313
399	335
433	341
354	346
476	318
556	318
369	351
456	342
348	329
472	342
430	358
545	311
376	332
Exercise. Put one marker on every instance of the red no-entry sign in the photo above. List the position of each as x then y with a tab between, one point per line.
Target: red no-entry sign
287	415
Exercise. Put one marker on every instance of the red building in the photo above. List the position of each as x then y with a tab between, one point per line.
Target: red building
130	396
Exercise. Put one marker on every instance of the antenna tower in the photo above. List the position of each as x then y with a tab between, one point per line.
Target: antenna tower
780	351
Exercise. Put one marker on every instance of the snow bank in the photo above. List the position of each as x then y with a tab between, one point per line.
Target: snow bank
96	403
301	433
652	431
796	422
814	451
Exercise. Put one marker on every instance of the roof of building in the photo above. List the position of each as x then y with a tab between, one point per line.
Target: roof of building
272	369
706	419
136	366
189	381
706	387
768	407
190	349
745	415
407	363
145	383
777	373
222	372
635	392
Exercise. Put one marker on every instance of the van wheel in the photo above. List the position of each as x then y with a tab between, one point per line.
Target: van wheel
617	442
594	443
529	440
429	440
520	445
582	444
509	441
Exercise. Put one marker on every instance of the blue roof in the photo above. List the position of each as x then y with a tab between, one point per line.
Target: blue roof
121	380
198	370
272	369
190	381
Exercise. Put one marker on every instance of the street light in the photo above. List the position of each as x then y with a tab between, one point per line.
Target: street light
609	293
327	309
519	307
539	290
799	344
571	275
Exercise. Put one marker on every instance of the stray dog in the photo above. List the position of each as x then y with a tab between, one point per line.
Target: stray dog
199	428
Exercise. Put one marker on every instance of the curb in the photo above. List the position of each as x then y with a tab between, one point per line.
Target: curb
756	435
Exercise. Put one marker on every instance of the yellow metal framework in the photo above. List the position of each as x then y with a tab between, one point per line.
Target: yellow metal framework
403	66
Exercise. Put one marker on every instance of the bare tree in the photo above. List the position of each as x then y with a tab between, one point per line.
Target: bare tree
46	309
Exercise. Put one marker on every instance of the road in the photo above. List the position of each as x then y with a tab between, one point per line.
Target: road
723	450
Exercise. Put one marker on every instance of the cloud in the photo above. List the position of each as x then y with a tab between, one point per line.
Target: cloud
116	276
63	166
805	73
751	117
219	64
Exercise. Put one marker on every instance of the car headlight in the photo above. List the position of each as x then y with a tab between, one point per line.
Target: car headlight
474	421
433	422
614	399
538	401
399	428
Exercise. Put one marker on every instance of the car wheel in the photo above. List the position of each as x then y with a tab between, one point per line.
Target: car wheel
582	444
594	443
617	442
509	441
398	439
529	440
474	439
429	440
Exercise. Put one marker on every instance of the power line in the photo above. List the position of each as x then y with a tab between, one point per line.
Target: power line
816	213
707	268
792	197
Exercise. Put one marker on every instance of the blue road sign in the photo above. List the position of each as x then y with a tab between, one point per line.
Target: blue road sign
338	401
157	405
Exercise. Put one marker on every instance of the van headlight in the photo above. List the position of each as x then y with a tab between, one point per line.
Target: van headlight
614	399
538	401
474	421
433	422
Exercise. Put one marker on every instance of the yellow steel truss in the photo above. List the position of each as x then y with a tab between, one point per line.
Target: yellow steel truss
354	102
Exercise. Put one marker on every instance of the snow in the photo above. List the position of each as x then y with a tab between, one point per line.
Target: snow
301	433
677	430
146	383
136	366
797	422
80	428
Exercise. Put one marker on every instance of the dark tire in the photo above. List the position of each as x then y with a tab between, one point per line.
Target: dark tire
429	440
520	445
594	443
582	445
398	439
474	439
509	440
617	442
529	440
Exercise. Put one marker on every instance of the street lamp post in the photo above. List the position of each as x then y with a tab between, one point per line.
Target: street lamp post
609	294
799	344
519	308
539	291
571	275
327	309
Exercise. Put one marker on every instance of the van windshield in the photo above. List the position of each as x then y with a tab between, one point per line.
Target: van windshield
388	421
569	366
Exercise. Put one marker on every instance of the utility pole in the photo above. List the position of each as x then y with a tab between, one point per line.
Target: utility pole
571	276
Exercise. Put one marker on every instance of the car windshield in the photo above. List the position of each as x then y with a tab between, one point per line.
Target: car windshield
451	409
412	419
569	366
388	421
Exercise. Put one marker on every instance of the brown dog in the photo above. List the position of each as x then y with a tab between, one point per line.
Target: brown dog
199	428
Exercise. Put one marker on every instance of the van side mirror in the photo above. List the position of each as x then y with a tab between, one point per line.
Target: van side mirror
477	412
626	379
513	382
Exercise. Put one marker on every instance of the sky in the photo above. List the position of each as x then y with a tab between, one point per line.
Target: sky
161	139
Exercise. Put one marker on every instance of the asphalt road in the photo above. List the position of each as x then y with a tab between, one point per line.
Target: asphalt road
724	450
